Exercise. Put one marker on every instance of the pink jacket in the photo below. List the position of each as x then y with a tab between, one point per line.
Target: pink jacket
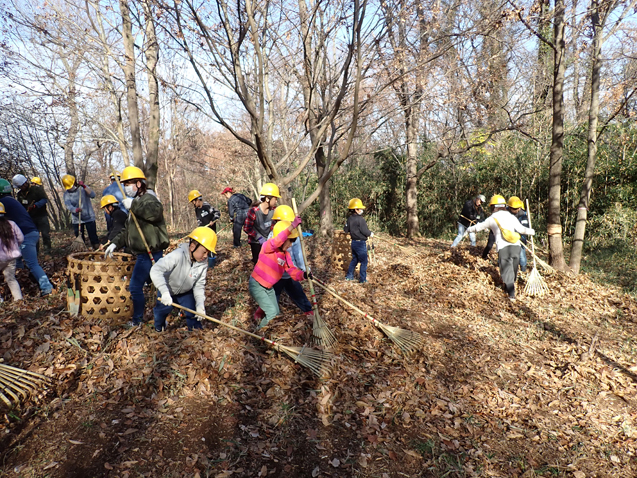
14	252
273	262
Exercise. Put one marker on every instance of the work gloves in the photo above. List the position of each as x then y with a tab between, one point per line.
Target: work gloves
262	240
127	203
166	299
531	232
81	184
78	209
371	235
308	274
109	251
201	311
297	222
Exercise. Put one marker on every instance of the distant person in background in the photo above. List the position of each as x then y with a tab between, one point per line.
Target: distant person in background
207	216
84	215
34	200
16	213
357	228
113	190
471	214
258	223
238	205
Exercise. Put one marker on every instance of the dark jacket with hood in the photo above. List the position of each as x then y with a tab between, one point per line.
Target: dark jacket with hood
472	214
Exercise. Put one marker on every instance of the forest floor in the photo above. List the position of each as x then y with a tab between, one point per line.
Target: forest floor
499	389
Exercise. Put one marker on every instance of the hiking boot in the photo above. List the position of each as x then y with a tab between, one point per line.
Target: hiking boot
132	324
160	329
349	279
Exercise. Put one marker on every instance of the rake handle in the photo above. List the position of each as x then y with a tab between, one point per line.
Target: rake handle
331	291
528	213
139	229
211	319
309	281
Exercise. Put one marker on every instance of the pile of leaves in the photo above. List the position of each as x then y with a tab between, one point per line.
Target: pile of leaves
540	387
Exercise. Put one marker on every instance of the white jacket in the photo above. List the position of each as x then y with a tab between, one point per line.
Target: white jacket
507	221
176	273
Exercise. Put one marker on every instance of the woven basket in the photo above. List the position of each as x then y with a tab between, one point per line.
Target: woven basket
341	251
103	283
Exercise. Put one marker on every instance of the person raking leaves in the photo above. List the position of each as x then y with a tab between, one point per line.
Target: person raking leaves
274	260
81	208
259	219
207	216
180	278
357	228
286	283
506	229
149	212
472	213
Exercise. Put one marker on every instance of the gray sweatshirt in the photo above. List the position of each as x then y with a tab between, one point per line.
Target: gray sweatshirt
175	274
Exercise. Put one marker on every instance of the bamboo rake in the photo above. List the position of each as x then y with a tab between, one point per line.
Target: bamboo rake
546	267
16	381
321	333
407	340
318	361
535	284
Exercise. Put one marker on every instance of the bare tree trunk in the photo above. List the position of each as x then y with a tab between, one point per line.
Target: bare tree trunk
131	87
593	115
326	227
411	181
152	57
69	143
554	227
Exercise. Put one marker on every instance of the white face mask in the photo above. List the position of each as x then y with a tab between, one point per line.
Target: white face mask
130	190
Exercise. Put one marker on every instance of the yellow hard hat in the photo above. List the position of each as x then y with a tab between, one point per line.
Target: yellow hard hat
270	189
112	176
194	194
2	210
279	226
496	200
283	213
108	199
355	204
206	237
132	172
515	202
37	181
68	181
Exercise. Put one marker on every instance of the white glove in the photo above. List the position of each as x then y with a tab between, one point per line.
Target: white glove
201	311
470	230
127	203
371	235
166	299
109	251
531	232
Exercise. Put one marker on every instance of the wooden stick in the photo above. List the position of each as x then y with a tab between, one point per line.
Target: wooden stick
139	229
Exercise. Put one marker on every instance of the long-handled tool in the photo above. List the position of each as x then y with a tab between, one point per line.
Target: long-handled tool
139	229
15	381
535	284
318	361
544	265
321	333
407	340
78	243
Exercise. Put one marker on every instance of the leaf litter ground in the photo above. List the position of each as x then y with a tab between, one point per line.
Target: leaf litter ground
540	387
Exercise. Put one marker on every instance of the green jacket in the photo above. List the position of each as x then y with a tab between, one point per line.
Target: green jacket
150	215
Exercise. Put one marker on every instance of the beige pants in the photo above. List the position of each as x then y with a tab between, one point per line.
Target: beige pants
8	269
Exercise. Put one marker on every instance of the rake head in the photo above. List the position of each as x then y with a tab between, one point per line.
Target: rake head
322	336
407	340
78	245
535	284
318	361
16	381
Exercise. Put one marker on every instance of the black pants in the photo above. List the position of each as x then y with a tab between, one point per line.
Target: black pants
255	247
92	232
237	227
42	223
508	260
489	245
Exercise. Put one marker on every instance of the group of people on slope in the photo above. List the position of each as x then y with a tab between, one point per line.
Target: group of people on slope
508	226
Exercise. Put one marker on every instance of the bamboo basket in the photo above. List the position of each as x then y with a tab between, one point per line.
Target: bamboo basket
341	251
103	283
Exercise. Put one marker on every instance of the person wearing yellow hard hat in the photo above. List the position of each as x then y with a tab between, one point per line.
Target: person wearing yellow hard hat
82	214
506	229
274	260
149	212
180	278
259	219
113	190
357	228
110	206
516	207
35	201
36	180
472	213
207	216
238	206
286	283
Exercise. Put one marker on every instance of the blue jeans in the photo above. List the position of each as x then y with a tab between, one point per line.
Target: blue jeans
295	291
461	230
140	275
161	311
359	254
522	259
30	257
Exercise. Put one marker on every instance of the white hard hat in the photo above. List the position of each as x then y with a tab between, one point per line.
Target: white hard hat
18	180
